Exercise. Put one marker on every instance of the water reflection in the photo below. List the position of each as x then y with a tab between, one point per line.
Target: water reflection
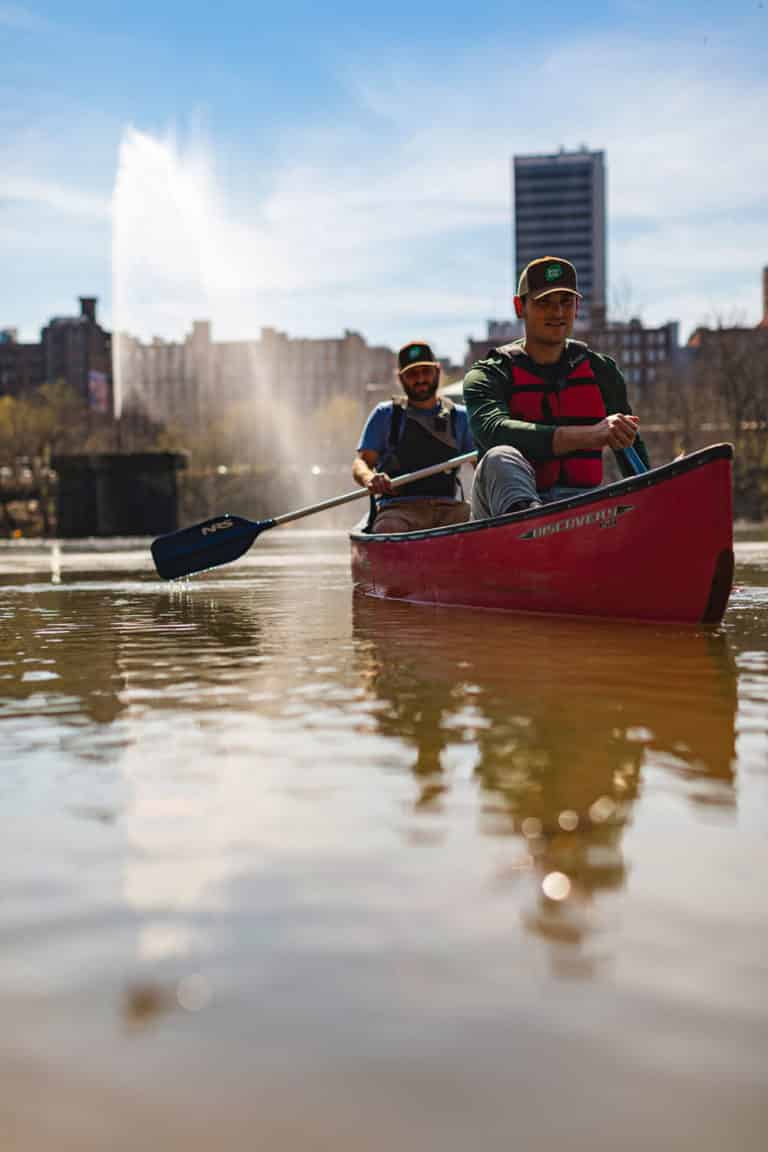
94	679
83	653
563	718
214	622
61	656
545	732
516	834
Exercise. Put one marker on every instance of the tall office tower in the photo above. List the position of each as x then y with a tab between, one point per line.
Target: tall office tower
560	211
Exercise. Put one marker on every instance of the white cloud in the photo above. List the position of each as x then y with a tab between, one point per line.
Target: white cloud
56	197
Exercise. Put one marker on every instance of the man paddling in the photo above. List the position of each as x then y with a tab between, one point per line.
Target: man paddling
407	433
542	408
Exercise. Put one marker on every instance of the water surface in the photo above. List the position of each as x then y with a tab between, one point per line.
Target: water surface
288	868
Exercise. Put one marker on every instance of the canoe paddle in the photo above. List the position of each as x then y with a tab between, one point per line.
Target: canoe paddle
225	538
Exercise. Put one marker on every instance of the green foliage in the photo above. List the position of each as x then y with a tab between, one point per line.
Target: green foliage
51	419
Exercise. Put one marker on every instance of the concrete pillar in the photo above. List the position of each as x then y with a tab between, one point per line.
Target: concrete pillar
117	494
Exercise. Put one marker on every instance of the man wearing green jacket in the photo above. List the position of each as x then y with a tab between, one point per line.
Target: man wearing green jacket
542	409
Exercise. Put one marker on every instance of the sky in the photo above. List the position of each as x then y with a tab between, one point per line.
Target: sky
317	167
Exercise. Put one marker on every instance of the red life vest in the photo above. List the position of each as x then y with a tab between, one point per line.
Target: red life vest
574	399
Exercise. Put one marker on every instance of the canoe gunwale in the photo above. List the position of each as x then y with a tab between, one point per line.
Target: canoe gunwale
629	484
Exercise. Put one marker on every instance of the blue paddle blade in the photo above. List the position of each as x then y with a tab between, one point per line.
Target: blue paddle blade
206	545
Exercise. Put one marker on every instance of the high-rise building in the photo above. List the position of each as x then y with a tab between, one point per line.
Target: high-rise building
559	210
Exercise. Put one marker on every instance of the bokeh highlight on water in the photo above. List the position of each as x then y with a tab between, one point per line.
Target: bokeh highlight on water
287	867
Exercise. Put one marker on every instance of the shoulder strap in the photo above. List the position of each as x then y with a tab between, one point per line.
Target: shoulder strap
396	421
449	408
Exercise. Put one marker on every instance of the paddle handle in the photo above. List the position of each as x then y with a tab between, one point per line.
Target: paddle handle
359	493
635	460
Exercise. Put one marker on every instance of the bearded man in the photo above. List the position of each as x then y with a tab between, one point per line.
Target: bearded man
405	434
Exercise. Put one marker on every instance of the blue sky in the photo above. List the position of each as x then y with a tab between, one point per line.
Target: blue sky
317	167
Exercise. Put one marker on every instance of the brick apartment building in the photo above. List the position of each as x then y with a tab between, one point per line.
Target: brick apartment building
75	349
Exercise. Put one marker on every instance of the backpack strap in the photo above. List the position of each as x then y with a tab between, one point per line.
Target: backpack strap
396	421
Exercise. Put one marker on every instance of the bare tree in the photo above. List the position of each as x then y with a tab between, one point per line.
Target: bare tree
624	305
733	364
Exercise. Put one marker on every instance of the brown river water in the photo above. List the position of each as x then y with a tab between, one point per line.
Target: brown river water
284	868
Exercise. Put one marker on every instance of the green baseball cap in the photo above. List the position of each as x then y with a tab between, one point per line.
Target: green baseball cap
545	275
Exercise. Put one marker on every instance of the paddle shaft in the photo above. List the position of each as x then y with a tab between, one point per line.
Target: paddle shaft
635	460
397	482
631	454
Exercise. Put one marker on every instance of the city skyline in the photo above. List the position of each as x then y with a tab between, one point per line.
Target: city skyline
335	180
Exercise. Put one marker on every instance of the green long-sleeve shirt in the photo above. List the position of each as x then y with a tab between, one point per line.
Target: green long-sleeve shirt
488	386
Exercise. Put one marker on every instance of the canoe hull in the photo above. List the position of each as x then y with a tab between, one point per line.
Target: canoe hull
657	547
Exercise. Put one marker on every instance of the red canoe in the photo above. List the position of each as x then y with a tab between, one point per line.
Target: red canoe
658	546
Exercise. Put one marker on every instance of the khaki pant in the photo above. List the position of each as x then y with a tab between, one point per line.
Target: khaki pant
418	515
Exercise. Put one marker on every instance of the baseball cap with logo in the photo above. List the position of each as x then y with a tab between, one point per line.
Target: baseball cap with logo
548	274
414	354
